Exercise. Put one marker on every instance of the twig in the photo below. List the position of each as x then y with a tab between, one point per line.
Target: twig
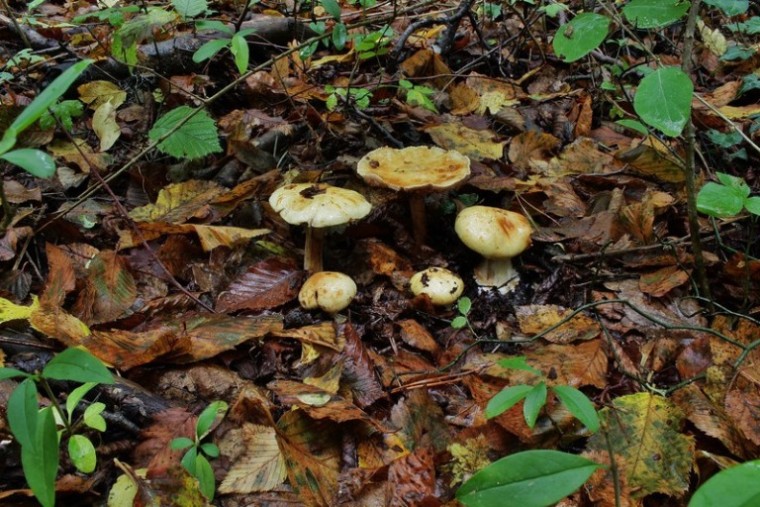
623	251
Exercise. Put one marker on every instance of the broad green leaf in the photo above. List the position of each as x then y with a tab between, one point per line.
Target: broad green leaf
332	8
239	50
663	100
205	475
738	486
655	13
77	365
210	450
753	205
737	52
35	162
92	417
634	125
518	363
40	459
459	322
82	453
209	49
23	414
190	8
188	460
41	103
464	305
582	35
76	396
750	27
534	402
213	25
579	405
6	373
644	430
719	200
195	138
211	414
527	479
181	443
506	399
339	36
730	7
725	139
734	182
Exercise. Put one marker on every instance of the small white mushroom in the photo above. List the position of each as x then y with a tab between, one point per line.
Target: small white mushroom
442	286
317	205
416	170
498	235
329	291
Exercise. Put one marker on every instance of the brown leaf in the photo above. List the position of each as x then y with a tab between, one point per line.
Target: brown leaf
61	278
532	146
109	289
411	479
414	334
258	463
743	408
534	319
266	285
662	281
322	334
359	369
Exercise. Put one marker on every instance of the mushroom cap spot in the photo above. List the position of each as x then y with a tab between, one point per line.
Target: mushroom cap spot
414	168
492	232
318	204
328	290
442	286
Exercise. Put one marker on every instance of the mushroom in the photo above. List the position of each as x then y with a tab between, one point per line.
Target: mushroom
498	235
318	205
328	290
417	170
442	286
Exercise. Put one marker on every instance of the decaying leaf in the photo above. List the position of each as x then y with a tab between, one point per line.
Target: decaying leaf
258	463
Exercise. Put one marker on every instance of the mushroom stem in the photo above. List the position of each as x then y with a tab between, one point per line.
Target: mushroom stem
312	258
419	227
497	273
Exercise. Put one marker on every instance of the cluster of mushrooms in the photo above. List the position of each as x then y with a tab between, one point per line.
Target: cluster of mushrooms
496	234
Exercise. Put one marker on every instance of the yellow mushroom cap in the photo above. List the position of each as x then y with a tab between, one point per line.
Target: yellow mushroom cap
329	291
493	232
442	286
318	204
414	168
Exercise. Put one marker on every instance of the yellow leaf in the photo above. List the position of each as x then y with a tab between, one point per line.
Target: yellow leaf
713	39
476	144
11	311
105	126
97	93
258	463
178	202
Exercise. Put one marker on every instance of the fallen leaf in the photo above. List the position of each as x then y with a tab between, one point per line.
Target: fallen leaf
476	144
265	285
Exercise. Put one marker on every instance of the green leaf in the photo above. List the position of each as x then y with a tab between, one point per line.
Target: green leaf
753	205
190	8
22	412
332	8
506	399
459	322
239	50
41	103
634	125
209	49
534	402
181	443
213	25
211	414
654	13
579	405
737	53
750	27
35	162
518	363
77	365
92	417
719	200
730	7
76	396
196	138
205	475
40	459
339	36
738	486
82	453
528	479
464	305
188	460
6	373
582	35
210	450
724	140
663	100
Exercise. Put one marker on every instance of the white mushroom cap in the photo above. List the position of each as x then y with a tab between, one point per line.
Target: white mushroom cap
492	232
442	286
318	204
329	291
414	168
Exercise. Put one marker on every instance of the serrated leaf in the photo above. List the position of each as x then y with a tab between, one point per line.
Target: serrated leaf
82	453
260	467
190	8
35	162
663	100
584	33
579	405
534	402
655	13
528	479
506	399
738	486
195	138
77	365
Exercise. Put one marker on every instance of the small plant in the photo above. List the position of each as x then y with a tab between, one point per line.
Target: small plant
196	458
36	429
359	97
64	112
727	198
236	43
418	95
464	305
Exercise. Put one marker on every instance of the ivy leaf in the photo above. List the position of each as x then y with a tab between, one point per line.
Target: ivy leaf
196	138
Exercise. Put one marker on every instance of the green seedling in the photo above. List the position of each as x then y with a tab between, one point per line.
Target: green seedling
418	95
359	97
196	458
728	198
235	43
